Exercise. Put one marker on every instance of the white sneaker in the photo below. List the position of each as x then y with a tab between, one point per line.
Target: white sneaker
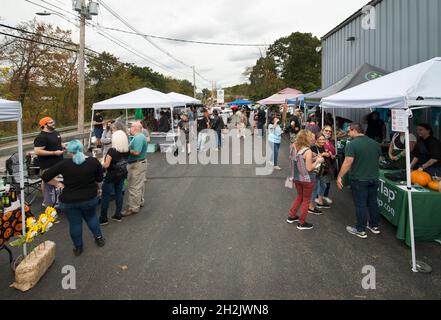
277	168
328	200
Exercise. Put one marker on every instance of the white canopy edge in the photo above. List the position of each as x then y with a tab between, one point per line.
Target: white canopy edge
143	98
10	110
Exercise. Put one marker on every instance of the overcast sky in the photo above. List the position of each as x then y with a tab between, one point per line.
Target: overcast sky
231	21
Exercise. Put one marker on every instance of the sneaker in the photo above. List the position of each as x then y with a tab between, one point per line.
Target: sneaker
104	221
315	211
374	230
117	218
292	220
328	200
305	226
78	251
355	232
128	213
323	206
100	242
277	168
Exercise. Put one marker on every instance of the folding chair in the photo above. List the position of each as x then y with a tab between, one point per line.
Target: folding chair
32	181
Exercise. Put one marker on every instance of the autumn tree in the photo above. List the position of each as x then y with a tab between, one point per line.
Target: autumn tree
42	71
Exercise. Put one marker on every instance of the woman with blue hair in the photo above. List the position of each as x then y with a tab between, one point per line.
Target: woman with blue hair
79	197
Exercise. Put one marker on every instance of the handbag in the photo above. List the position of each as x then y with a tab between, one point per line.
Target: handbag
289	183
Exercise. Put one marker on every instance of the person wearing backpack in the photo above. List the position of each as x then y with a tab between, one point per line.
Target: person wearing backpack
115	162
303	165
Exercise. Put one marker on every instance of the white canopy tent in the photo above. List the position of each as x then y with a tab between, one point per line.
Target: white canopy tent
11	111
143	98
416	87
183	97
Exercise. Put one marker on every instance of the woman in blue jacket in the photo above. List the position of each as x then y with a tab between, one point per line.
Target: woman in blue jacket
275	138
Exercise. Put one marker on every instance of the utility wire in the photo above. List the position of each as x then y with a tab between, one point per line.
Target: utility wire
112	38
188	41
116	15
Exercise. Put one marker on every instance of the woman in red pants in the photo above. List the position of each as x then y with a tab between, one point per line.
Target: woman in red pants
304	179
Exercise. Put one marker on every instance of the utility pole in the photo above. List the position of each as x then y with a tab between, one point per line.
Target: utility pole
81	78
86	11
194	82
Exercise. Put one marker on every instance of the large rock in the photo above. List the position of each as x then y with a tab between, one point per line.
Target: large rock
34	266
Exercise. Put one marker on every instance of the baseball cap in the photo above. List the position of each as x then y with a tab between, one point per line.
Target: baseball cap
45	121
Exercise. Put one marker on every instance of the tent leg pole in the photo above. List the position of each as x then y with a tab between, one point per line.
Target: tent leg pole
90	132
409	199
335	137
323	118
22	197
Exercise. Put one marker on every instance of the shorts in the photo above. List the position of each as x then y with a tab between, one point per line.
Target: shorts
98	132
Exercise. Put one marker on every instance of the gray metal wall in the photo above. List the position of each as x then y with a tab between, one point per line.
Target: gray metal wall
407	32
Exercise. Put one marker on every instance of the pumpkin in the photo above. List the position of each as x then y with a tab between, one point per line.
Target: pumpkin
421	178
6	225
18	227
7	216
8	233
434	185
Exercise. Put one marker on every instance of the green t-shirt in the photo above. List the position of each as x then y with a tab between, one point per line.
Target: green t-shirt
366	153
138	144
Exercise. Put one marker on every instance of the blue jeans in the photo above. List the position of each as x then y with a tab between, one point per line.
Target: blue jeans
109	188
219	138
364	194
319	189
75	213
276	148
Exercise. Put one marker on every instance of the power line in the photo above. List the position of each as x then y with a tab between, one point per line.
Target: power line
122	44
116	15
36	41
188	41
127	47
44	36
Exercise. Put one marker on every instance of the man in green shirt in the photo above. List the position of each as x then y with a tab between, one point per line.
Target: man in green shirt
137	170
362	160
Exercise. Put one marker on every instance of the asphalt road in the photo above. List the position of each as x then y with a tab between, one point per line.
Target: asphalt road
219	232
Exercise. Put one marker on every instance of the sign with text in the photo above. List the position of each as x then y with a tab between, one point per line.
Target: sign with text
400	120
220	96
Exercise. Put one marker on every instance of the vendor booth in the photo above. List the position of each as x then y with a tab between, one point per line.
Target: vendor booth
404	91
143	99
185	100
12	111
240	102
362	74
281	97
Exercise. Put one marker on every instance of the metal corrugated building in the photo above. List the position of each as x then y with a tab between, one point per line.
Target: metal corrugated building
407	32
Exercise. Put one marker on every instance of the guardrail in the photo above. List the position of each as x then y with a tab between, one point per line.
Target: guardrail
4	140
34	134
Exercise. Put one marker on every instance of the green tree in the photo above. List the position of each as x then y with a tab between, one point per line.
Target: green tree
297	62
264	79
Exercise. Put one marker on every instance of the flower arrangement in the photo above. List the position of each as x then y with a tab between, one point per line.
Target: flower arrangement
37	227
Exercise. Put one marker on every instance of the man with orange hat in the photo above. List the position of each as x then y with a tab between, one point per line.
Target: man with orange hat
48	148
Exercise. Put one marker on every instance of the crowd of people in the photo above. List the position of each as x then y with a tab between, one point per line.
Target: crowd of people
313	156
85	180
